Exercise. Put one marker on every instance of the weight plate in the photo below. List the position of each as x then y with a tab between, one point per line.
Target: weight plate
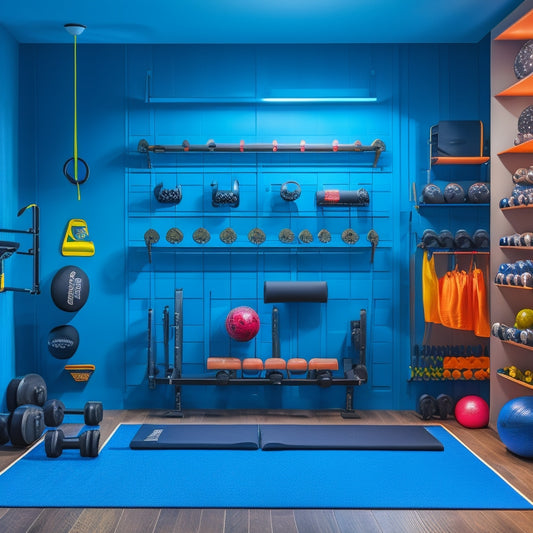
256	236
228	236
31	390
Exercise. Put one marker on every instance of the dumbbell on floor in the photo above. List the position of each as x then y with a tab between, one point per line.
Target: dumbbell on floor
23	426
87	442
55	411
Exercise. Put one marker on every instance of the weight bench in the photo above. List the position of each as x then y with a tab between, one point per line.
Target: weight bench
295	371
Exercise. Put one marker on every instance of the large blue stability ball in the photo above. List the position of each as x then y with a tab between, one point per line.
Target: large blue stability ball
515	426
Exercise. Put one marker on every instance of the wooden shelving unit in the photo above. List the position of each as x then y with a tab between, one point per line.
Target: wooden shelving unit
510	97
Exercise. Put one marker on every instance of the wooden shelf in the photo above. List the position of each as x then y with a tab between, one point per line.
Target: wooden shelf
517	381
437	206
523	148
523	87
521	30
479	160
516	208
525	346
514	287
521	248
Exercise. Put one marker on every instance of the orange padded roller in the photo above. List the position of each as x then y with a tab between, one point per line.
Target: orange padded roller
326	363
275	363
252	364
298	365
223	363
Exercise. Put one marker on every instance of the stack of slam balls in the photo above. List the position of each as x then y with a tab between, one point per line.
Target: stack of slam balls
453	193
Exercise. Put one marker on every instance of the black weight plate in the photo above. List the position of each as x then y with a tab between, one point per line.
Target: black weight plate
89	442
4	431
31	390
93	413
54	413
27	425
53	443
11	394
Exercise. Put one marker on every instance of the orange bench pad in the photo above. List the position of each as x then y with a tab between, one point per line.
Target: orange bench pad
252	363
275	363
297	364
327	363
223	363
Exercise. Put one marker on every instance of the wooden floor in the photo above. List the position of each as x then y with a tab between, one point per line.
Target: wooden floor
484	442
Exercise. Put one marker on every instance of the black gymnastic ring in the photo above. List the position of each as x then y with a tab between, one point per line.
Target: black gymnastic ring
72	179
290	196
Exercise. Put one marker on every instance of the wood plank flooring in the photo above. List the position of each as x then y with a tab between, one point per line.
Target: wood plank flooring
484	442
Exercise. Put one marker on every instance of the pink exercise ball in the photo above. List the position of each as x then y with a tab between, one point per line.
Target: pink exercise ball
472	412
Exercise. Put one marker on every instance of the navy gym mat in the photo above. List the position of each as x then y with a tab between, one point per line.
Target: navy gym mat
284	437
347	437
332	479
196	436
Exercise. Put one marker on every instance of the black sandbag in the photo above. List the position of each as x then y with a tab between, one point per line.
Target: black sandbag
295	291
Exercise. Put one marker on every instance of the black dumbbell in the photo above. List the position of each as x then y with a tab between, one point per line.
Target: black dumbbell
54	413
23	426
87	442
427	406
445	406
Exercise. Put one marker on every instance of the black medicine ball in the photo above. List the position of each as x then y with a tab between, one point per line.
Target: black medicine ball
70	288
63	341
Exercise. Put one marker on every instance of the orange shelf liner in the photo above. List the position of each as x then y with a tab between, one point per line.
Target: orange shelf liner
523	148
522	29
514	208
525	346
514	287
523	87
476	160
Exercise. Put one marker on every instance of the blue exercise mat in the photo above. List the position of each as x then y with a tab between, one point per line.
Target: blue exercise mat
331	479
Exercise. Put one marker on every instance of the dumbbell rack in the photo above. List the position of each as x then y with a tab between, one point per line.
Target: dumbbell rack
354	374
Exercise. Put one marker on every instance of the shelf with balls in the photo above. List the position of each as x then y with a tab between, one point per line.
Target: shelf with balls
477	194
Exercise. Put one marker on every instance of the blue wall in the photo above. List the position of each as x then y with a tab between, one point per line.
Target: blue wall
8	195
416	86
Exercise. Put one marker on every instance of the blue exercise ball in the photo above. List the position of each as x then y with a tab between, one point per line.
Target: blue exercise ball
515	426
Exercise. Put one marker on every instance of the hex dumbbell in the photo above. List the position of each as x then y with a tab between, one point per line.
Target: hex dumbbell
87	442
55	411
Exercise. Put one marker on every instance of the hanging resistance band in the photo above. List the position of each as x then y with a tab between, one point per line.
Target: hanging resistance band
71	166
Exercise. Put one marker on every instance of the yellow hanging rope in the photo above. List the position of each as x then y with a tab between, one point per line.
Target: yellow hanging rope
76	118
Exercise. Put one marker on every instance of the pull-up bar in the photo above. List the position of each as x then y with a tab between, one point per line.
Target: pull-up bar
377	146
